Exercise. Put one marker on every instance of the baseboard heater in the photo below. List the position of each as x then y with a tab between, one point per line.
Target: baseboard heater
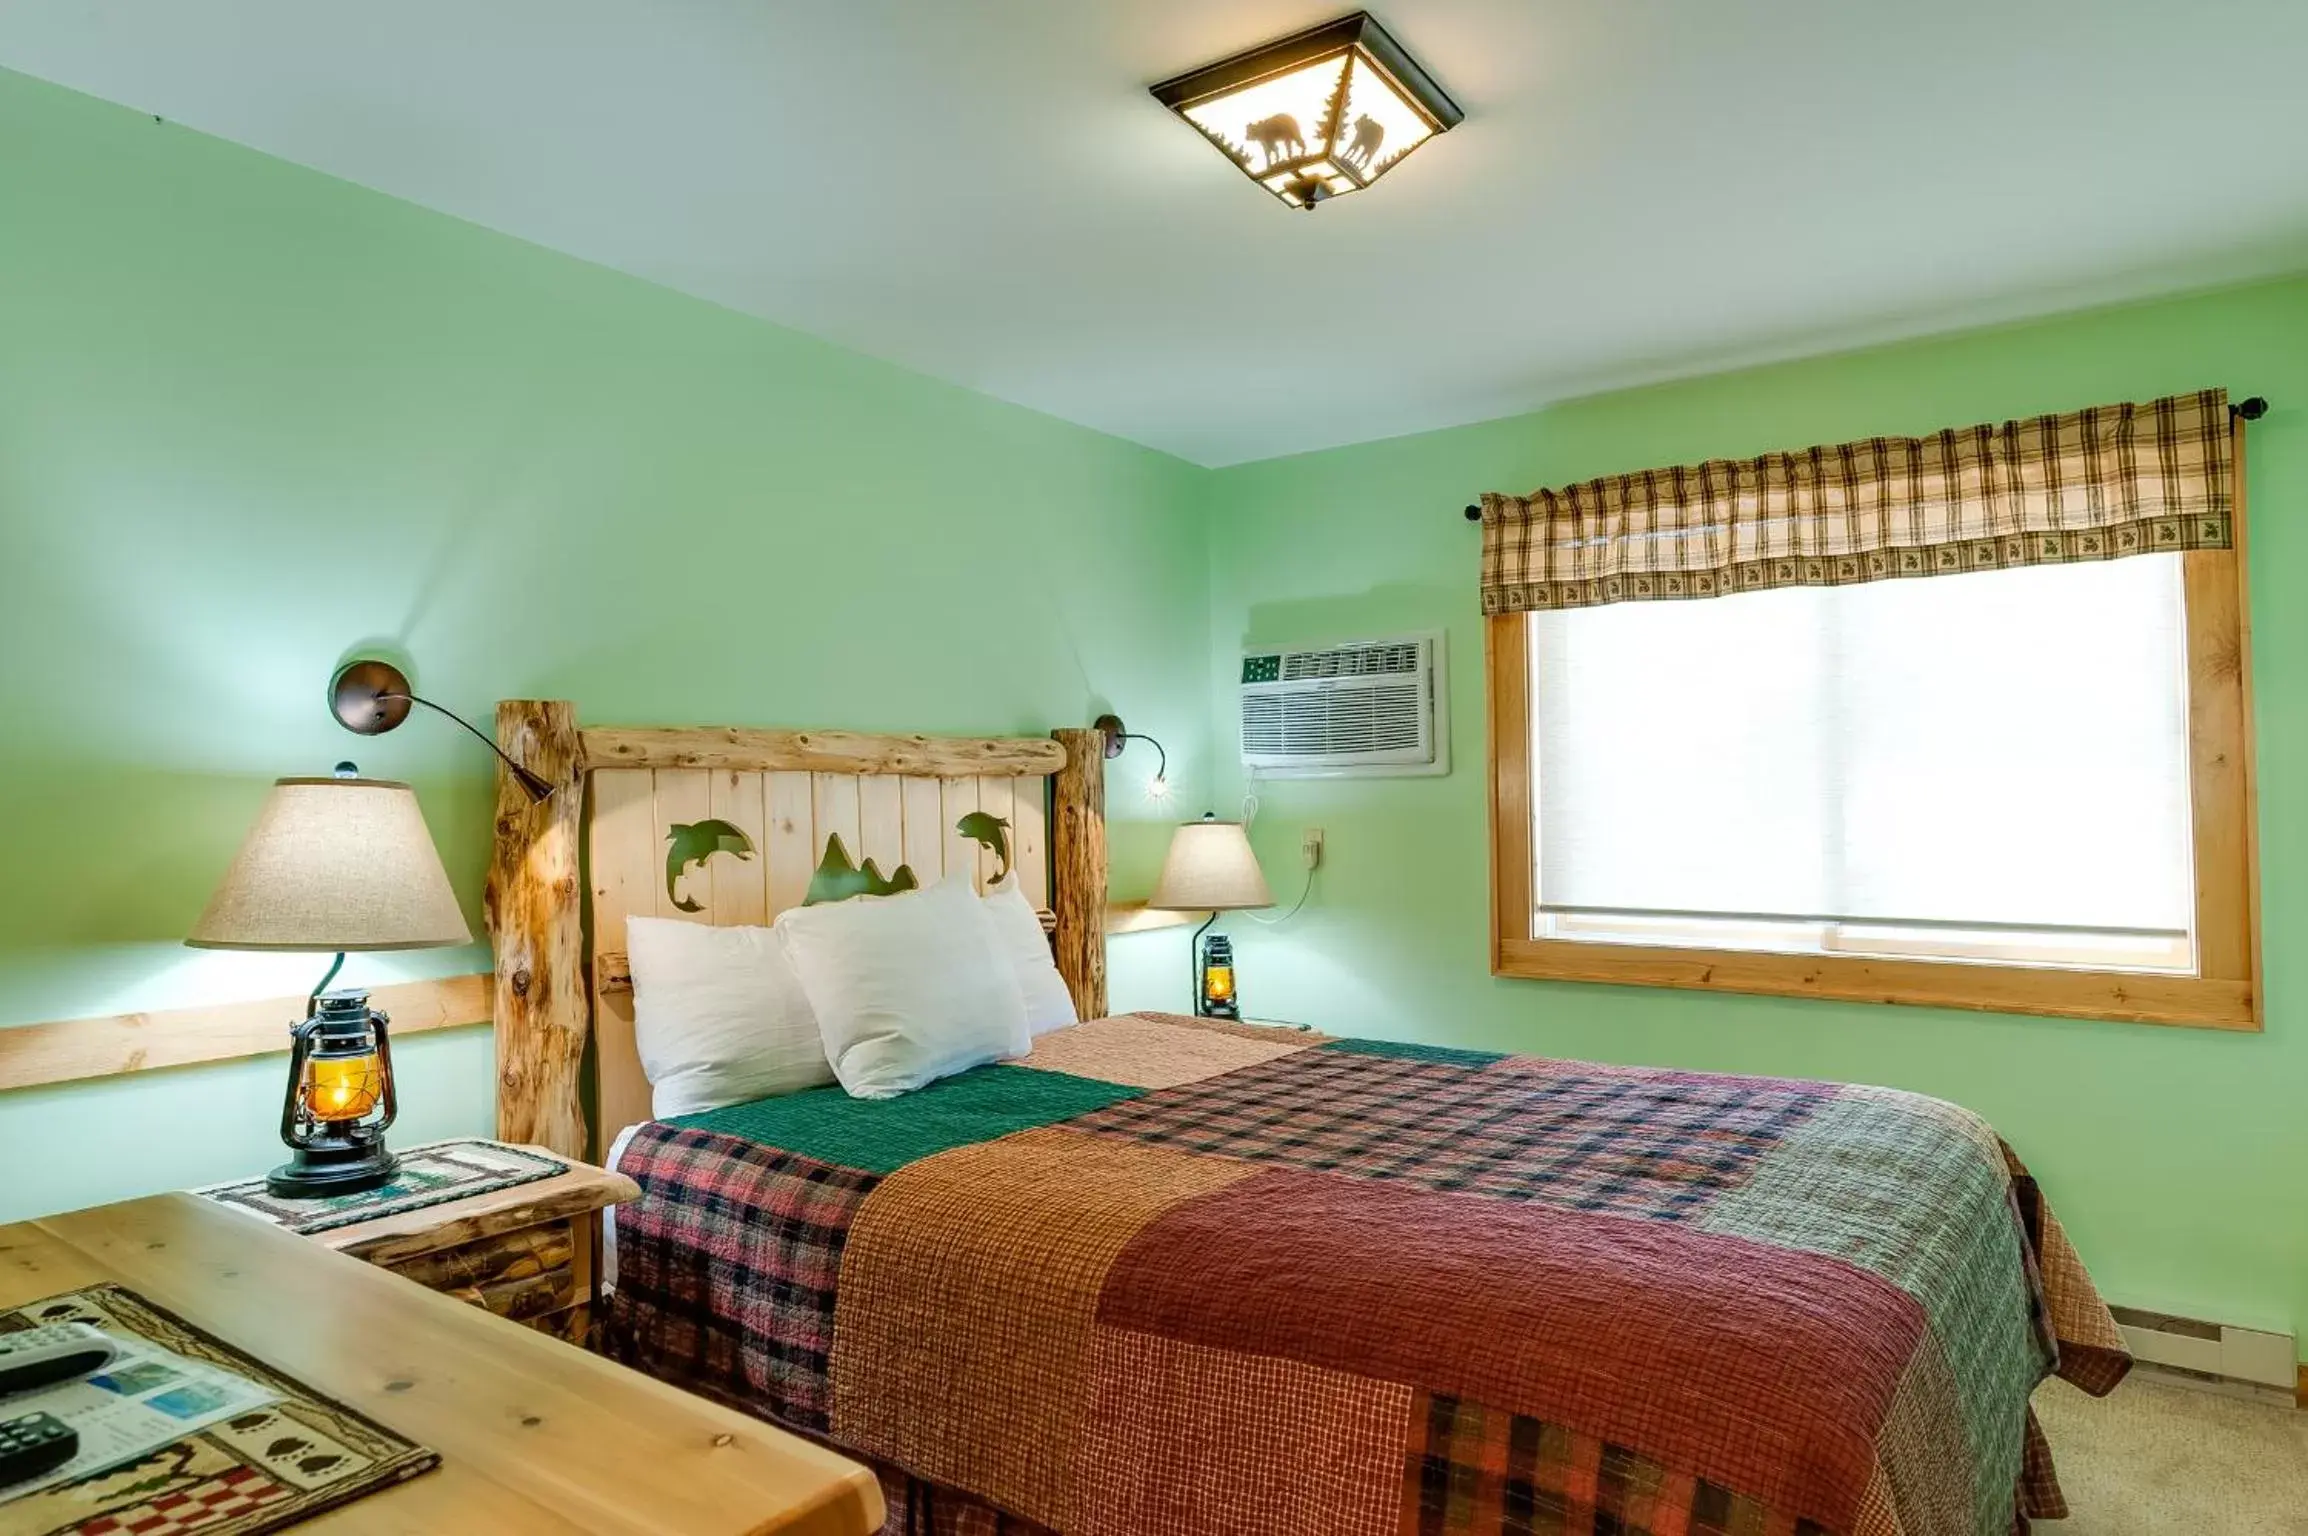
2212	1349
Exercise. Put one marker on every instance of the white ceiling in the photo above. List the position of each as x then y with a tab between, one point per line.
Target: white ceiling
983	190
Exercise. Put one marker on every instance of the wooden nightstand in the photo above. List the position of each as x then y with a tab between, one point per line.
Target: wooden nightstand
531	1252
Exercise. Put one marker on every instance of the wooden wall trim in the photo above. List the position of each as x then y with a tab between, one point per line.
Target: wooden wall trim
1078	867
2137	997
537	924
748	750
1137	917
1506	690
75	1050
2247	741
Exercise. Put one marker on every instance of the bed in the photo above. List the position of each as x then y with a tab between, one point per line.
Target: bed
1168	1275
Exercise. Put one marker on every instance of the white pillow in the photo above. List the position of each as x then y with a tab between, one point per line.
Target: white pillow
907	989
718	1016
1018	935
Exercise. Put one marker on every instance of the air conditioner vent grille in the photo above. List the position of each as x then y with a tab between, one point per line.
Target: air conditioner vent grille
1351	661
1364	720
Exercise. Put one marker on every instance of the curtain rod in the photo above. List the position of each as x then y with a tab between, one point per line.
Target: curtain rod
2250	408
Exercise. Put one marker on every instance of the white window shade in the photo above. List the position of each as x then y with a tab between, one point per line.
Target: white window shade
1954	766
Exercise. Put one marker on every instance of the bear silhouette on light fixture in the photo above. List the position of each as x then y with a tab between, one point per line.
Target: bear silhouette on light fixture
1369	133
1275	135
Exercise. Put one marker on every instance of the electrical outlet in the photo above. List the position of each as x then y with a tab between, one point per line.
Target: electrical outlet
1310	847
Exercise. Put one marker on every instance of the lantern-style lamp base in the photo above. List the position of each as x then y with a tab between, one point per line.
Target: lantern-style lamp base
340	1101
315	1173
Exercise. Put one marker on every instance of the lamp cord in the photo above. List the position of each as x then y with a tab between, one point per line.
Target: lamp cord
1194	964
313	1003
1274	922
536	786
1249	820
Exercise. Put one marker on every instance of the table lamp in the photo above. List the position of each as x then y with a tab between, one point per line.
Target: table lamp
1210	866
335	865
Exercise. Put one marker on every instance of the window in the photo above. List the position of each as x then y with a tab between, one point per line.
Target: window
2024	789
1989	768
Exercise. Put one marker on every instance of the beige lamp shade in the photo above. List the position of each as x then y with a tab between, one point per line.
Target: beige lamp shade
1210	868
335	864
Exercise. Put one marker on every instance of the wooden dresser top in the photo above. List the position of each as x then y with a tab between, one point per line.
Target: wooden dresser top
535	1435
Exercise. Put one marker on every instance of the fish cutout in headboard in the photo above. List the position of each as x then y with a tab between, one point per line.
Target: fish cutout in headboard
992	831
693	842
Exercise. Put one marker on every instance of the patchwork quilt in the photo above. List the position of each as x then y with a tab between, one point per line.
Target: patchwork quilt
1179	1277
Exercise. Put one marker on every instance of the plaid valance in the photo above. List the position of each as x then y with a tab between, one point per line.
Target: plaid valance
2091	485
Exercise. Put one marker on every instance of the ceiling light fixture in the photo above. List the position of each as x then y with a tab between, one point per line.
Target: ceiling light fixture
1318	114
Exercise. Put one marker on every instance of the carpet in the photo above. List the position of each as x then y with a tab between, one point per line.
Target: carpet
2158	1457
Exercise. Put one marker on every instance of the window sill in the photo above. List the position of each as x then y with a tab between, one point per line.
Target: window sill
2131	996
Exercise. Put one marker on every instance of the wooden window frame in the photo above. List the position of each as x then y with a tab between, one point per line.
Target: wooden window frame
2224	992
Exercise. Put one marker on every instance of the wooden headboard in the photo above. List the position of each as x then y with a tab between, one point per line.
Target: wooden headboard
568	871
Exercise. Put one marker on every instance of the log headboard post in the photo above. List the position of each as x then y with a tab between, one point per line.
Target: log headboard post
537	927
1078	867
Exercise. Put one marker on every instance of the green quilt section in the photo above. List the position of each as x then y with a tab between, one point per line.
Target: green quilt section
883	1135
1412	1051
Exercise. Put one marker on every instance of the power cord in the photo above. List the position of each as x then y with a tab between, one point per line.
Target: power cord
1250	819
1272	922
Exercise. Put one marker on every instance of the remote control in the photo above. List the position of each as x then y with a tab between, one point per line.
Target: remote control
41	1357
34	1444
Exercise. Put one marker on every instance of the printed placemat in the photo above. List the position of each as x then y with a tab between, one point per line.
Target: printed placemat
259	1471
429	1175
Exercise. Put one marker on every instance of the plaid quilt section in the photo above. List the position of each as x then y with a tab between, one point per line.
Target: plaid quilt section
1914	1190
1475	1471
1181	1437
727	1267
916	1507
1660	1146
2073	1320
971	1362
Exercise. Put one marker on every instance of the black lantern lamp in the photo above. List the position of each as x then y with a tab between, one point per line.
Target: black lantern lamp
340	1100
331	866
1210	868
1216	998
1317	114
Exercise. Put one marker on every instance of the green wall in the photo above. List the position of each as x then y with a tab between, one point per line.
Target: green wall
252	418
2177	1157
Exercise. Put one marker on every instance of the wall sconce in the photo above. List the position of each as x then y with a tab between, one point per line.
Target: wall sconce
370	697
1318	114
1110	726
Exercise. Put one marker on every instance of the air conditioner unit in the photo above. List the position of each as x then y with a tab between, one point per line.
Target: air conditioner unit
1368	707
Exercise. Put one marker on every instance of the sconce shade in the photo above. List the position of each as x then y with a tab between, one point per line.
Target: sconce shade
1210	868
335	864
1318	114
